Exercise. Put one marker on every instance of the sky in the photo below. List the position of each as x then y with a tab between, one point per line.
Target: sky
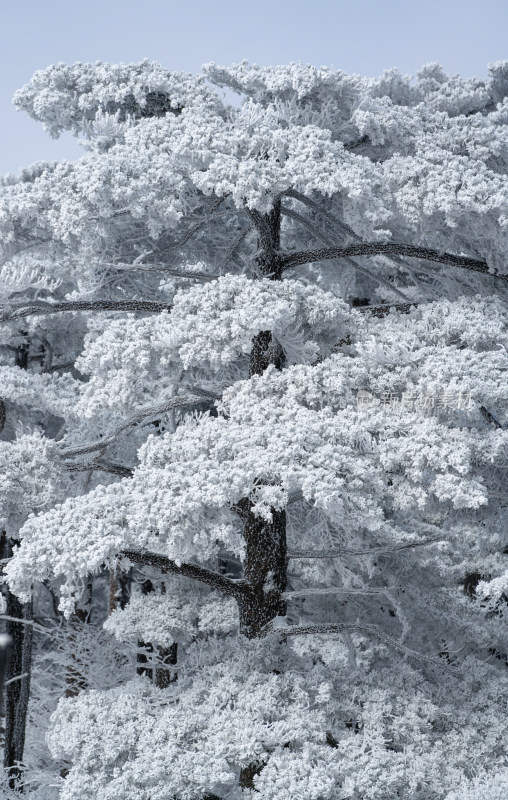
364	37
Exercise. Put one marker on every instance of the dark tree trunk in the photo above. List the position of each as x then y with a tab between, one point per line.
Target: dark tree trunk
168	657
265	351
265	565
19	657
119	588
264	569
17	675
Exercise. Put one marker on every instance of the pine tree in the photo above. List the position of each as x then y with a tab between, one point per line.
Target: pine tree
266	356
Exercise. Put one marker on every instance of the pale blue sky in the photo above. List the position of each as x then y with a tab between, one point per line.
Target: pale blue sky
362	36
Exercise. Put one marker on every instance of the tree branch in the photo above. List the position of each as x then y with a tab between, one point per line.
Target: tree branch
39	307
312	590
382	311
374	551
102	466
342	226
345	229
210	214
343	627
234	247
172	271
213	579
490	418
387	248
143	414
298	217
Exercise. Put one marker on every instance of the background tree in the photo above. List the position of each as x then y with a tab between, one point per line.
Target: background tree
209	257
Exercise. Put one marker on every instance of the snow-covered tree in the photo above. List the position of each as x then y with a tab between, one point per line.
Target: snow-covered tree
254	365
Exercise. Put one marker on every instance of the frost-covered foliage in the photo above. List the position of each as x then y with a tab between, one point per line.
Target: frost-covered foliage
95	99
30	478
219	718
267	475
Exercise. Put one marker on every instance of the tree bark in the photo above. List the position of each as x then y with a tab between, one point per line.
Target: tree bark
265	567
119	588
17	678
265	570
168	656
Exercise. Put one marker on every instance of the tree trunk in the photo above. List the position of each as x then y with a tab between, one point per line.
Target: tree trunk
17	678
265	569
168	656
146	588
119	588
265	566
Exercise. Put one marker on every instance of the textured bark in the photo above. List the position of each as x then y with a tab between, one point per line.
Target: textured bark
247	775
119	588
17	676
265	567
167	656
265	570
40	307
265	351
19	657
387	248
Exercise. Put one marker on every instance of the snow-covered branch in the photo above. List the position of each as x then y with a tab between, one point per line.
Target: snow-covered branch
347	627
141	416
375	551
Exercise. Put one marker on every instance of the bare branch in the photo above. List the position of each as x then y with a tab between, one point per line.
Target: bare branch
342	227
172	271
289	213
22	621
39	307
490	418
342	627
208	576
375	551
388	248
234	247
382	311
196	227
102	466
312	590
